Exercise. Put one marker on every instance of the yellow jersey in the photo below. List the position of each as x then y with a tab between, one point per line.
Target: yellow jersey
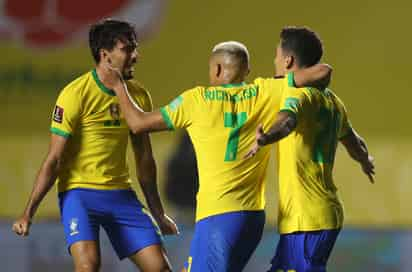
308	199
221	122
88	114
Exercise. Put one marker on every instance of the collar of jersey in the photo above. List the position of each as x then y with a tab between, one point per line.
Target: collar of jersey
231	85
101	85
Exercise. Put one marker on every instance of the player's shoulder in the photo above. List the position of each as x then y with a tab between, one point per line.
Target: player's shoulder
264	81
135	87
270	86
195	92
76	86
334	96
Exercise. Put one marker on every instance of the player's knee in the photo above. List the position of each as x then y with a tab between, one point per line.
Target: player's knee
159	267
87	266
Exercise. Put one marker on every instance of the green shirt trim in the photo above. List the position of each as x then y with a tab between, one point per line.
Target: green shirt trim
101	85
60	132
166	118
291	79
231	85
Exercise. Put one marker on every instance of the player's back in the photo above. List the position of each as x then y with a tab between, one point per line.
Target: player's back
221	121
308	198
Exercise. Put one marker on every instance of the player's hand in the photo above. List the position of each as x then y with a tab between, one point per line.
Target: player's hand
114	78
255	148
167	225
368	168
22	226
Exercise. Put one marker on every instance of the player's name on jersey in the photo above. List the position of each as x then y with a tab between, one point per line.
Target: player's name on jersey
222	95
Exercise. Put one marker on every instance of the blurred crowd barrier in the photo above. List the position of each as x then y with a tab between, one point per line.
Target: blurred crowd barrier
356	251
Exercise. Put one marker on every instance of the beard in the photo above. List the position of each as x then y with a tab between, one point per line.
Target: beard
127	74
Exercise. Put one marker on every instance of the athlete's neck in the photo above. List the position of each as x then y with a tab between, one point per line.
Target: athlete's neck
105	76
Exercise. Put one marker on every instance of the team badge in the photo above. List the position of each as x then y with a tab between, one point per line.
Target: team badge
74	226
115	111
58	114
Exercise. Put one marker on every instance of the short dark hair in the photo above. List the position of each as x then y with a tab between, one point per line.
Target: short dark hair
303	43
106	33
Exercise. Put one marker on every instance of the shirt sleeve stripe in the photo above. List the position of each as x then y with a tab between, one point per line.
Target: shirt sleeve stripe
167	119
60	132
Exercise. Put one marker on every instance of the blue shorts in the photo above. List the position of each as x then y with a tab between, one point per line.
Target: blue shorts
225	242
119	212
304	251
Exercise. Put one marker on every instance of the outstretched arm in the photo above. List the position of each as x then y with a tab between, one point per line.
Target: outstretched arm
317	76
357	149
44	181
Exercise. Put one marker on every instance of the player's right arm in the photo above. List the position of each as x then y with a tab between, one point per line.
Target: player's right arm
44	181
65	118
317	76
357	149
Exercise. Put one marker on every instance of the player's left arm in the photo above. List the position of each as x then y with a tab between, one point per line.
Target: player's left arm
286	120
146	174
285	123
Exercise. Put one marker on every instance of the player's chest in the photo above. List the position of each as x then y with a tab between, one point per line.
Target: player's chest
102	114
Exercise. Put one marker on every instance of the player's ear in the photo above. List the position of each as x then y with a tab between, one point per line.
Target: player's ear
289	61
104	55
218	70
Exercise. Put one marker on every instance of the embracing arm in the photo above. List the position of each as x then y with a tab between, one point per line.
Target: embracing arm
45	179
317	76
358	151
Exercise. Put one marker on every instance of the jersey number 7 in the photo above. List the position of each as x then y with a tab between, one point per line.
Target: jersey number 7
234	121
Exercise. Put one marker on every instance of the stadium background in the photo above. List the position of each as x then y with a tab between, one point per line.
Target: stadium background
43	47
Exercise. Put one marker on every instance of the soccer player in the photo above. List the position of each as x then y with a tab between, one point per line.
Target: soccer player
308	128
220	121
87	156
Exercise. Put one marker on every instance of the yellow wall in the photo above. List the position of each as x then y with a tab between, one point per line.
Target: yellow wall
367	42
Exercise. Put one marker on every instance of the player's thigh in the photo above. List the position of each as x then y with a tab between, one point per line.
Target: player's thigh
247	238
224	242
318	246
151	259
130	228
79	222
304	251
86	256
289	255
